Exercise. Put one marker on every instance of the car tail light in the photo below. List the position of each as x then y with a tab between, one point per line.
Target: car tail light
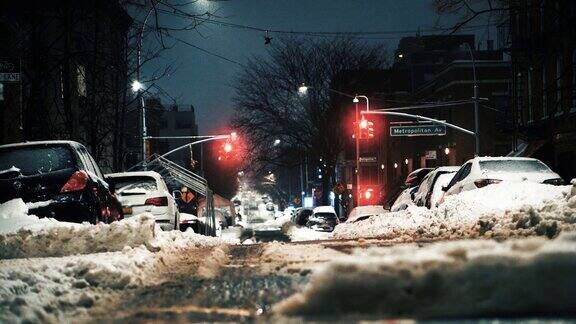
157	201
555	181
480	183
77	182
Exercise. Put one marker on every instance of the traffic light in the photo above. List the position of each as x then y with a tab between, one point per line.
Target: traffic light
365	129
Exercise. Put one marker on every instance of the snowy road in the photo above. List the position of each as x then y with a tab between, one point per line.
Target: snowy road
445	263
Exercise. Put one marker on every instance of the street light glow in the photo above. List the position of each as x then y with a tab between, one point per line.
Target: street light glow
276	142
303	89
136	86
355	100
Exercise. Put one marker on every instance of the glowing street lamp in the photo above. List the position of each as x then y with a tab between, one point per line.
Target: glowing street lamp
276	142
303	89
136	86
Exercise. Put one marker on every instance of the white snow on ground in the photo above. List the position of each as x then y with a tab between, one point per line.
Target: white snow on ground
297	234
37	286
24	235
496	210
43	289
458	279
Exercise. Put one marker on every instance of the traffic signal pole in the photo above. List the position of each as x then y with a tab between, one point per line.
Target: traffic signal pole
357	136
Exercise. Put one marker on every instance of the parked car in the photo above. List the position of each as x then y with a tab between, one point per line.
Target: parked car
301	216
483	171
59	179
363	212
146	192
189	221
430	190
411	184
323	219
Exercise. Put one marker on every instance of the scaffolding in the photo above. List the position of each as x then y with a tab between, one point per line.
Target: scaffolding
176	176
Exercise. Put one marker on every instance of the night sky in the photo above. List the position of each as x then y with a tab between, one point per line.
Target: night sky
206	81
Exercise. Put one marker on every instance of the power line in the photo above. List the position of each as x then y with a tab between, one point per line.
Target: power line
207	51
183	14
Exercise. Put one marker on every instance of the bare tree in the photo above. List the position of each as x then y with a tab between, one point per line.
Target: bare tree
269	107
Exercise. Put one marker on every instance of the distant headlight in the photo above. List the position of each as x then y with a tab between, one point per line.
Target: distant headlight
555	181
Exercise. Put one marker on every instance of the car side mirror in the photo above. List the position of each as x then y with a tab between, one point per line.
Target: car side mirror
177	194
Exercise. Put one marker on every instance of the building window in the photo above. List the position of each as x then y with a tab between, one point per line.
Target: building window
559	69
530	108
544	91
81	80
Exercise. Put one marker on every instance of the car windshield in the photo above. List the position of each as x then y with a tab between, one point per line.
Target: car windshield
134	185
31	160
514	166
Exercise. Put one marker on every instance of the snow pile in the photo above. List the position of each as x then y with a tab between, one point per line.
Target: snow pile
465	279
57	289
298	233
24	235
14	216
506	209
52	238
176	240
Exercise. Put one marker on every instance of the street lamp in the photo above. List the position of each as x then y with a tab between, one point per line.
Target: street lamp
276	142
303	89
476	104
136	86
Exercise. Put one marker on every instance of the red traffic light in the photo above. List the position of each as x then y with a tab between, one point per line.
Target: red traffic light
227	147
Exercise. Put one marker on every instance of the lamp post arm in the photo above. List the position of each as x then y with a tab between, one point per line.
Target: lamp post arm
212	138
392	113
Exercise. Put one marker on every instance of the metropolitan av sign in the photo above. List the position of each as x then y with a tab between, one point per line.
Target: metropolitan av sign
418	130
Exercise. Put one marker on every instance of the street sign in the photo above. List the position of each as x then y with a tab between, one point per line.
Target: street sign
430	155
419	130
9	70
368	159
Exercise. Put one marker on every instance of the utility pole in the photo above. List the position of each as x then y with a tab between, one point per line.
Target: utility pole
476	103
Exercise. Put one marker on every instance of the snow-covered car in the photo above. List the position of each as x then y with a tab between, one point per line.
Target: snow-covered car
323	218
363	212
301	216
146	192
483	171
430	190
411	185
57	179
404	200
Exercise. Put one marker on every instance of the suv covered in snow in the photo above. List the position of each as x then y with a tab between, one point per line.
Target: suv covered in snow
58	179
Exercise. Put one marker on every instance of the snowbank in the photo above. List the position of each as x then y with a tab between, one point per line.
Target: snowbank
497	210
297	233
527	277
24	235
58	289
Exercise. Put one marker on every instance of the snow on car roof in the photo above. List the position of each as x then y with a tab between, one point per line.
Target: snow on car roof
152	174
324	209
448	168
72	143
